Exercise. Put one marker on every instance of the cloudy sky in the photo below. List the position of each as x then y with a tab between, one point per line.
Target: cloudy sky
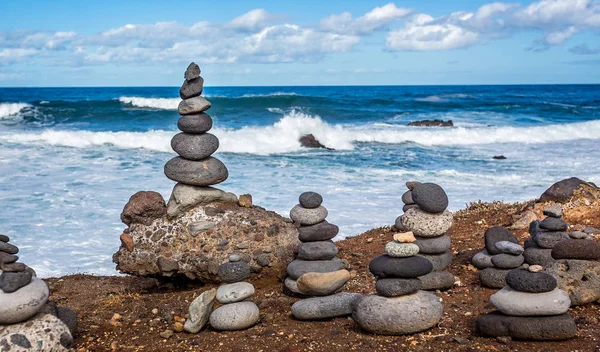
352	42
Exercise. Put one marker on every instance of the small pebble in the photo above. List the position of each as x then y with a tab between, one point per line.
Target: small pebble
404	237
234	258
535	268
155	311
166	334
178	327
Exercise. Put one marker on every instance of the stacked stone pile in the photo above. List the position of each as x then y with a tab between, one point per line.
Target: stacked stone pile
545	235
530	307
427	218
501	254
400	306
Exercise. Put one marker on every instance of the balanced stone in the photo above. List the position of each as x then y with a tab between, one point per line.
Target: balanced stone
13	267
493	278
298	268
185	197
433	245
576	249
579	235
292	285
310	200
199	311
321	250
235	316
515	303
236	292
399	315
191	88
529	242
430	197
412	184
385	266
7	258
538	256
20	306
554	224
439	261
234	271
534	282
207	172
554	211
406	207
314	308
322	284
4	238
192	72
507	261
407	198
549	239
405	237
424	224
13	281
195	124
397	287
195	146
482	260
509	247
8	248
496	234
322	231
437	280
557	327
194	105
401	250
306	216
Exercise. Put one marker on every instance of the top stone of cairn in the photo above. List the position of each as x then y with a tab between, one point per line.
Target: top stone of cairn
192	72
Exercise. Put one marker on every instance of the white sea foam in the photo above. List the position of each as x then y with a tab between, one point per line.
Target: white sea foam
11	110
153	103
442	98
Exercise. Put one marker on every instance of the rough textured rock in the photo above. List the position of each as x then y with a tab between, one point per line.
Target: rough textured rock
579	278
553	224
437	280
405	237
430	197
235	292
385	266
439	261
234	271
235	316
496	234
44	332
298	268
259	232
191	88
401	250
399	315
554	211
23	304
493	278
576	249
424	224
322	284
185	197
245	200
558	327
194	105
431	123
306	216
209	171
535	255
322	250
200	311
562	191
195	146
534	282
192	72
433	245
322	231
143	208
482	260
515	303
524	220
397	287
507	261
310	200
549	239
69	317
197	124
310	141
314	308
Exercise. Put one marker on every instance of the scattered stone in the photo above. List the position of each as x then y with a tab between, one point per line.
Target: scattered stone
166	334
209	171
234	271
397	287
44	332
322	284
314	308
557	327
515	303
405	237
579	235
497	234
482	260
298	268
430	197
321	250
434	245
401	250
576	249
533	282
493	278
553	224
310	200
305	216
424	224
235	292
437	280
322	231
196	124
245	201
26	302
509	247
234	258
507	261
385	266
554	211
535	268
199	311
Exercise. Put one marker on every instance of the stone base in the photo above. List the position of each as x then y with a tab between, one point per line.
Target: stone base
556	327
315	308
44	332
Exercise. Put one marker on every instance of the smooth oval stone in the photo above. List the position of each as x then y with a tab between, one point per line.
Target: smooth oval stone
310	200
437	280
424	224
515	303
298	268
292	285
192	71
496	234
407	198
579	235
553	224
493	278
191	88
26	302
399	315
439	261
305	216
235	292
576	249
398	224
401	250
557	327
554	211
509	247
482	260
322	284
315	308
549	239
195	124
507	261
6	258
385	266
534	282
409	206
4	238
13	281
8	248
235	316
195	146
234	271
397	287
430	197
538	256
322	250
412	184
322	231
13	267
433	245
194	105
207	172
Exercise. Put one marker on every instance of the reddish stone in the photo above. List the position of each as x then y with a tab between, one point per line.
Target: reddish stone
127	241
143	208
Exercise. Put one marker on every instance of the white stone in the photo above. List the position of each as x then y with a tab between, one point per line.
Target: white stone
235	292
512	302
24	303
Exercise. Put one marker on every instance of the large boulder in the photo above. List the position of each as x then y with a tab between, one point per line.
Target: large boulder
579	278
562	191
143	208
200	239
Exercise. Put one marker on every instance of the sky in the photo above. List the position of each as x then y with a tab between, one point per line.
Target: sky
258	43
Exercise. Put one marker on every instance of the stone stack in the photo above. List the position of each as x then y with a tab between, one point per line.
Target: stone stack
531	307
316	270
400	306
545	235
194	166
502	253
427	217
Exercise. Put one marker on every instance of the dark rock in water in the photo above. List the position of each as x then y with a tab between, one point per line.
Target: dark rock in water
507	261
385	266
499	157
194	146
535	255
191	88
406	207
69	317
192	71
430	197
310	200
4	238
195	124
525	281
11	282
554	224
207	172
143	208
309	141
548	328
298	268
407	198
8	248
549	239
432	123
496	234
322	231
576	249
493	278
397	287
322	250
437	280
561	191
234	271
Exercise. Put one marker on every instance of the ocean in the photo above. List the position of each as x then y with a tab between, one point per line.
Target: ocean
70	158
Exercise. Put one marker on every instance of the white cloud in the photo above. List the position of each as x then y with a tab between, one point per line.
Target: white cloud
254	20
11	55
373	20
584	49
558	37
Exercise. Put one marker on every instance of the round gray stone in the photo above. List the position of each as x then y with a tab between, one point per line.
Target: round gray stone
407	198
430	197
509	247
437	280
4	238
397	287
549	239
322	250
191	88
194	105
554	224
433	245
236	292
195	124
401	250
235	316
26	302
315	308
493	278
310	200
195	146
497	234
515	303
439	261
292	285
409	206
556	327
535	255
305	216
482	260
424	224
298	268
322	231
234	271
8	248
507	261
207	172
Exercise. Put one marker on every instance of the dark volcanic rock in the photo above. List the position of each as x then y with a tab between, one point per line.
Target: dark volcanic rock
298	268
195	146
507	261
535	255
407	198
321	250
322	231
385	266
561	191
69	317
493	278
11	282
309	141
310	200
496	234
576	249
578	278
549	239
499	157
556	327
195	124
192	71
397	287
553	224
191	88
431	123
207	172
525	281
234	271
430	197
143	208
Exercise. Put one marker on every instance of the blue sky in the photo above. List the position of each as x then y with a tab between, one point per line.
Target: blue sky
149	43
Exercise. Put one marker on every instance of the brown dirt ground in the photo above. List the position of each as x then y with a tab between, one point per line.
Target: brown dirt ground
97	299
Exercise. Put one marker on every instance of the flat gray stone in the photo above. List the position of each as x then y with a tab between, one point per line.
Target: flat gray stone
191	88
11	281
493	278
195	124
554	211
437	280
185	197
322	250
306	216
236	292
482	260
6	258
200	311
397	287
207	172
535	255
509	247
401	250
549	239
8	248
195	146
316	308
439	261
298	268
433	245
424	224
507	261
23	304
556	327
554	224
194	105
235	316
234	271
322	231
515	303
385	266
